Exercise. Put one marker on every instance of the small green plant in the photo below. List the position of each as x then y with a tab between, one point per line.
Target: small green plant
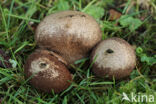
130	22
144	58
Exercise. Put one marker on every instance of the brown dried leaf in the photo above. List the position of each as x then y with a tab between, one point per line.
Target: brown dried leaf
114	15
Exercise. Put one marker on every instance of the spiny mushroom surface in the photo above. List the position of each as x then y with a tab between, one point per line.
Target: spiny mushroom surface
48	71
71	34
113	57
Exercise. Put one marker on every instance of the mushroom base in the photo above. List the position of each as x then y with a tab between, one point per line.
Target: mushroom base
109	73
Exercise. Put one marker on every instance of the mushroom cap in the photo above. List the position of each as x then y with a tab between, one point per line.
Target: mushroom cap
48	71
71	34
113	57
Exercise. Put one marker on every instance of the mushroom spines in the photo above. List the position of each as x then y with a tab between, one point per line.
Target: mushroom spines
71	34
47	72
114	56
69	22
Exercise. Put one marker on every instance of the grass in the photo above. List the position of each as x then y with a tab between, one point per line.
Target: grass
18	19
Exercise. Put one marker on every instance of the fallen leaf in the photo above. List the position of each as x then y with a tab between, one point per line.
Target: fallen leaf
114	15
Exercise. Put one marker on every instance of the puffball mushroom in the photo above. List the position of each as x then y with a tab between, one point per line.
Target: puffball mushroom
71	34
48	71
114	57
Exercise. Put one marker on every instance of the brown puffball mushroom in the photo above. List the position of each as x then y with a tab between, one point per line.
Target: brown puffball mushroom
71	34
48	71
113	57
